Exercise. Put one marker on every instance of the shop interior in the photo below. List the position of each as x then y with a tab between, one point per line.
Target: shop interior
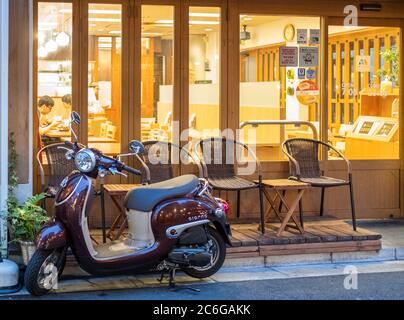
276	82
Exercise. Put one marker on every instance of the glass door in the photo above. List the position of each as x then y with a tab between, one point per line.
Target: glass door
104	76
363	91
54	44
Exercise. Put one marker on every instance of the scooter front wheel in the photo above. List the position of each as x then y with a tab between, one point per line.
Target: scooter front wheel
217	248
43	270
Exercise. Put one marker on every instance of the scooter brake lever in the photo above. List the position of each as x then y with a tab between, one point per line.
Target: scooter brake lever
115	171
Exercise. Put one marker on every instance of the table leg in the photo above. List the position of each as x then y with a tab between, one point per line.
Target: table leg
271	203
117	220
290	212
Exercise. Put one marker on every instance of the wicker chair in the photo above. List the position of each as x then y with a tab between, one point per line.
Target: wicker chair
214	155
305	166
163	170
58	167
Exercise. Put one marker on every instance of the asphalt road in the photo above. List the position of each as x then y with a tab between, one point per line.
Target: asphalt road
375	286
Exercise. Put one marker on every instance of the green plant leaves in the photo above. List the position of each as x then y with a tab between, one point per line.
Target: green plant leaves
28	218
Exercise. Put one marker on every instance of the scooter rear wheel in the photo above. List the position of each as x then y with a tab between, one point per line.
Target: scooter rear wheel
218	249
43	270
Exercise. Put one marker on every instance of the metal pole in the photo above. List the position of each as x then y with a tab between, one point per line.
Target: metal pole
3	124
257	123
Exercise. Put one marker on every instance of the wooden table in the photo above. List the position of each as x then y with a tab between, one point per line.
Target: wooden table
281	186
115	191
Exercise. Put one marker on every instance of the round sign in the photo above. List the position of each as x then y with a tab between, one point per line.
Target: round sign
307	92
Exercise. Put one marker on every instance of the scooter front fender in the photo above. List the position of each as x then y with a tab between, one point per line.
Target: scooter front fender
53	235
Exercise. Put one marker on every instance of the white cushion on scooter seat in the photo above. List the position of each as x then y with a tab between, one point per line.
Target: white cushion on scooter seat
145	198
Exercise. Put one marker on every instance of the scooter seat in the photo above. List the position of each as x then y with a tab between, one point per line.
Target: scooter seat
145	198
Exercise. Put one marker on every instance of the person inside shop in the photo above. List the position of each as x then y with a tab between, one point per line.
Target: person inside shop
67	105
45	106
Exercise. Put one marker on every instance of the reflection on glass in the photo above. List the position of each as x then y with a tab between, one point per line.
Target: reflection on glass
271	91
104	77
367	102
54	54
157	45
204	71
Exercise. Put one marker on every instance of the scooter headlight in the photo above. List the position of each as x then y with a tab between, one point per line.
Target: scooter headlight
85	160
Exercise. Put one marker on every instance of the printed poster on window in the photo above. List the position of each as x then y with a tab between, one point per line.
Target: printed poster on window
362	63
314	36
301	36
307	92
288	56
308	57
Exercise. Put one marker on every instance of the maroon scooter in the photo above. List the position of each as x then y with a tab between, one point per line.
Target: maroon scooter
175	224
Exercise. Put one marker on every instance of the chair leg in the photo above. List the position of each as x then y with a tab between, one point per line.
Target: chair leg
301	212
352	205
322	202
262	209
238	204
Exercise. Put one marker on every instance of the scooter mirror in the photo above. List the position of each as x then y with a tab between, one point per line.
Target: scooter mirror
75	118
136	147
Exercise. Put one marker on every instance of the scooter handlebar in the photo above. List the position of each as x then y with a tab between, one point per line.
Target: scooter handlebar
131	170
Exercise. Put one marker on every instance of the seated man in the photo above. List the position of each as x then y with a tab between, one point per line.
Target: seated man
45	105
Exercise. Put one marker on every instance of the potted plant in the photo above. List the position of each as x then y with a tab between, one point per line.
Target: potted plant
26	221
387	77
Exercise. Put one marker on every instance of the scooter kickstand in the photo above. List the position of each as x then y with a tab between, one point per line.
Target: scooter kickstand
173	287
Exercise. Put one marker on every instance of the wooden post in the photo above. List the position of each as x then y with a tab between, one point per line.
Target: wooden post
401	118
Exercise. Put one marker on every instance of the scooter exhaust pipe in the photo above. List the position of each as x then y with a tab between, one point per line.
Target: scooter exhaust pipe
183	258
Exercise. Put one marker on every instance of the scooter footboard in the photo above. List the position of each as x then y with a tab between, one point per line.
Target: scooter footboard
53	235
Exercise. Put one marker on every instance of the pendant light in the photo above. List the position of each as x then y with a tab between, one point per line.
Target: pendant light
51	46
63	39
42	52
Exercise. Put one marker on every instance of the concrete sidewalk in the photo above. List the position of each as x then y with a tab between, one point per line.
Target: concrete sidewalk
389	259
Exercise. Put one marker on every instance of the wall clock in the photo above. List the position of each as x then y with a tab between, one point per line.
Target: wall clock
289	32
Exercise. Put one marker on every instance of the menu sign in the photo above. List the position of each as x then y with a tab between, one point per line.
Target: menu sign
288	56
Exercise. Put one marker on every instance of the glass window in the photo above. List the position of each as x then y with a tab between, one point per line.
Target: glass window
104	77
204	72
288	92
54	41
157	72
365	123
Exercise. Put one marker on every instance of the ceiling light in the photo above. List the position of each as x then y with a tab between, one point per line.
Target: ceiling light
208	29
204	14
114	20
42	52
165	21
63	39
51	46
203	22
115	32
94	11
47	24
248	19
104	46
100	30
151	34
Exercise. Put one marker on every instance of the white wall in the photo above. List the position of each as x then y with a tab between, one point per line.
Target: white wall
272	32
3	122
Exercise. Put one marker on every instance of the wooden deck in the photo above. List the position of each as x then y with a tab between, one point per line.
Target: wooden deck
323	235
